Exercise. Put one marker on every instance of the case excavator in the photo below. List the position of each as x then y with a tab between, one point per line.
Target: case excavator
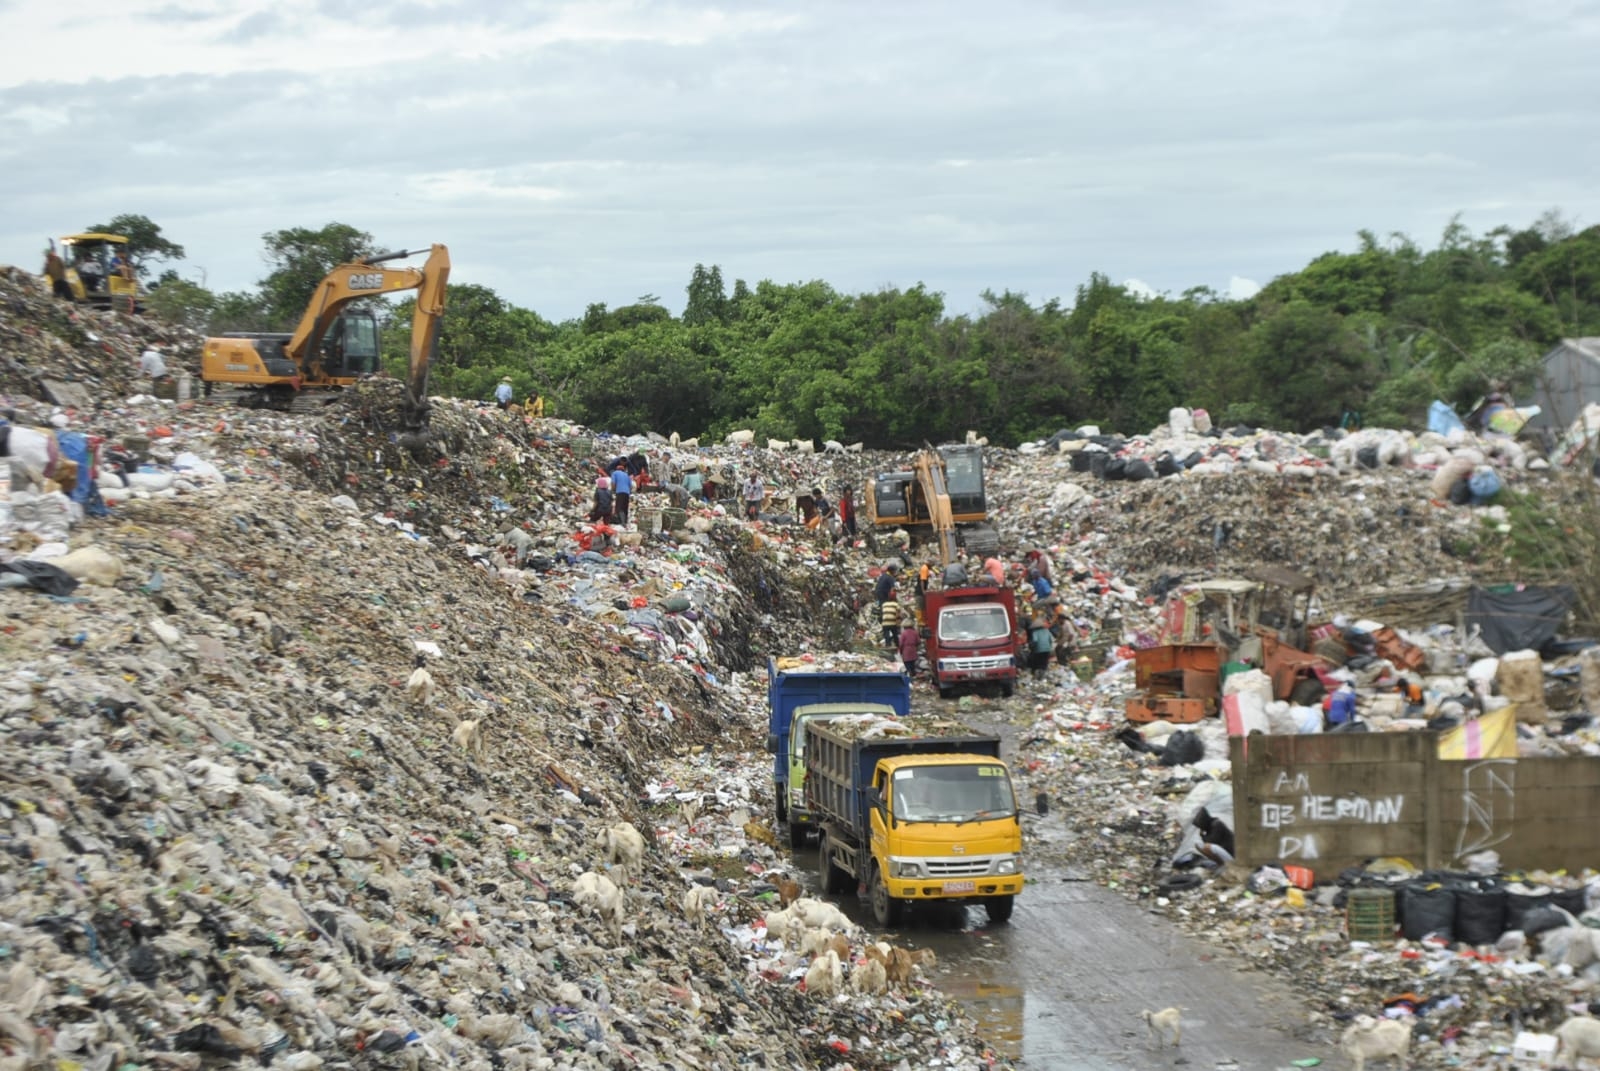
940	500
334	345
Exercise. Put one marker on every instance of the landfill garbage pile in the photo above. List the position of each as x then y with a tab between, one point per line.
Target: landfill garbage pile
1353	531
71	355
323	751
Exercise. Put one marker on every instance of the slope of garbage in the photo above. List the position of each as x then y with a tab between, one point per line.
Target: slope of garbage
320	750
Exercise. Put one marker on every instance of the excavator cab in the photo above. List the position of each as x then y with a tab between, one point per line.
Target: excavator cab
350	348
963	471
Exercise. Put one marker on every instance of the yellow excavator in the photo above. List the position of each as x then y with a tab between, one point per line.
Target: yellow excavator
333	345
939	500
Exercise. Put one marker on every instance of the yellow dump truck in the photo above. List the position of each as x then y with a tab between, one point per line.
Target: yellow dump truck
913	809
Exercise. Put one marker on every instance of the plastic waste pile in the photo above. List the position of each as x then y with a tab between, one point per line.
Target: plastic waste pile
319	750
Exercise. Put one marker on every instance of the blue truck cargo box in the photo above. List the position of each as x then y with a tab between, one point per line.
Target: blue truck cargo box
788	689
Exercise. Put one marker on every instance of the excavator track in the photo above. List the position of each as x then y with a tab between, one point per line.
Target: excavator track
302	402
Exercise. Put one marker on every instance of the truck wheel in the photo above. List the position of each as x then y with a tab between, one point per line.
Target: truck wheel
1006	690
945	693
797	836
832	878
885	908
782	811
999	908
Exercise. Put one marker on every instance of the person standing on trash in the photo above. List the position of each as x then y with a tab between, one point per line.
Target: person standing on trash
847	513
996	571
1042	588
604	500
889	618
694	482
152	364
622	487
908	648
503	393
56	271
820	510
884	590
1040	646
754	493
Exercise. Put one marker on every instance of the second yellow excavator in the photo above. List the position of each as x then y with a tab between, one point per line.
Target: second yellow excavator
939	500
334	345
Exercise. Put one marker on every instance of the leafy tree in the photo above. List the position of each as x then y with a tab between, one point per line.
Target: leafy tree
182	303
708	303
240	310
298	258
146	244
1308	365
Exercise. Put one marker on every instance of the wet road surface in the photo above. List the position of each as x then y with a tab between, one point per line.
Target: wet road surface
1061	986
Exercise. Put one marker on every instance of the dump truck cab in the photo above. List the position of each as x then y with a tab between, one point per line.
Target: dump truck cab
972	638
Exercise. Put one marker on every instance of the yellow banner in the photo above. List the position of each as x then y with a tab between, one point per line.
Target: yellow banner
1493	736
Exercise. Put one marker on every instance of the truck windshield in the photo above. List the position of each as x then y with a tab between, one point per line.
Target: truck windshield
963	624
953	793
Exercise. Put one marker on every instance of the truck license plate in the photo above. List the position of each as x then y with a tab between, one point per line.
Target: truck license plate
960	886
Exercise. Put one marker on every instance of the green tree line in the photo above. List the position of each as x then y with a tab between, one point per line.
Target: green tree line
1379	331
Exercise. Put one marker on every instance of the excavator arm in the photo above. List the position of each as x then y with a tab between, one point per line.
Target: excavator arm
350	282
426	323
930	476
368	278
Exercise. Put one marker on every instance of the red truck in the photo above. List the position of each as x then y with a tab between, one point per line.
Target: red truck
973	639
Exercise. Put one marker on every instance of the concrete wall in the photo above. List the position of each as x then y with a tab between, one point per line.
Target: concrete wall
1333	801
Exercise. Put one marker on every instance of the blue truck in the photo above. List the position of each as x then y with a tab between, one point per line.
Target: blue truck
914	810
799	692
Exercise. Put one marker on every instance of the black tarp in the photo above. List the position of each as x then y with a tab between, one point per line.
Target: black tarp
1519	620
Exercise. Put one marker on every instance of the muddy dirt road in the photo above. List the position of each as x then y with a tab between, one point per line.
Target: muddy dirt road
1061	986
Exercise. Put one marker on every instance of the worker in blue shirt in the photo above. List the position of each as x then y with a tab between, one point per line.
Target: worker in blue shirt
503	393
622	487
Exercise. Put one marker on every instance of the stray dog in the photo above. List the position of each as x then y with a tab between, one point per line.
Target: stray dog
1164	1022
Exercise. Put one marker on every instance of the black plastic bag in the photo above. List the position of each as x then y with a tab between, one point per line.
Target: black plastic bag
1137	470
1428	911
1081	460
42	576
1166	465
1116	469
1460	492
1573	901
1367	457
1537	920
1183	748
1480	915
1519	905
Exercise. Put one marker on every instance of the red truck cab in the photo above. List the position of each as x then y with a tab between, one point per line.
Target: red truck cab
973	639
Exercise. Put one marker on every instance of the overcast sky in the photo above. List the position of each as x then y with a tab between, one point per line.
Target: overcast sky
595	151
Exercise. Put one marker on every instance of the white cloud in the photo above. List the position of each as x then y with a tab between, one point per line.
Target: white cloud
1140	289
1240	288
596	151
